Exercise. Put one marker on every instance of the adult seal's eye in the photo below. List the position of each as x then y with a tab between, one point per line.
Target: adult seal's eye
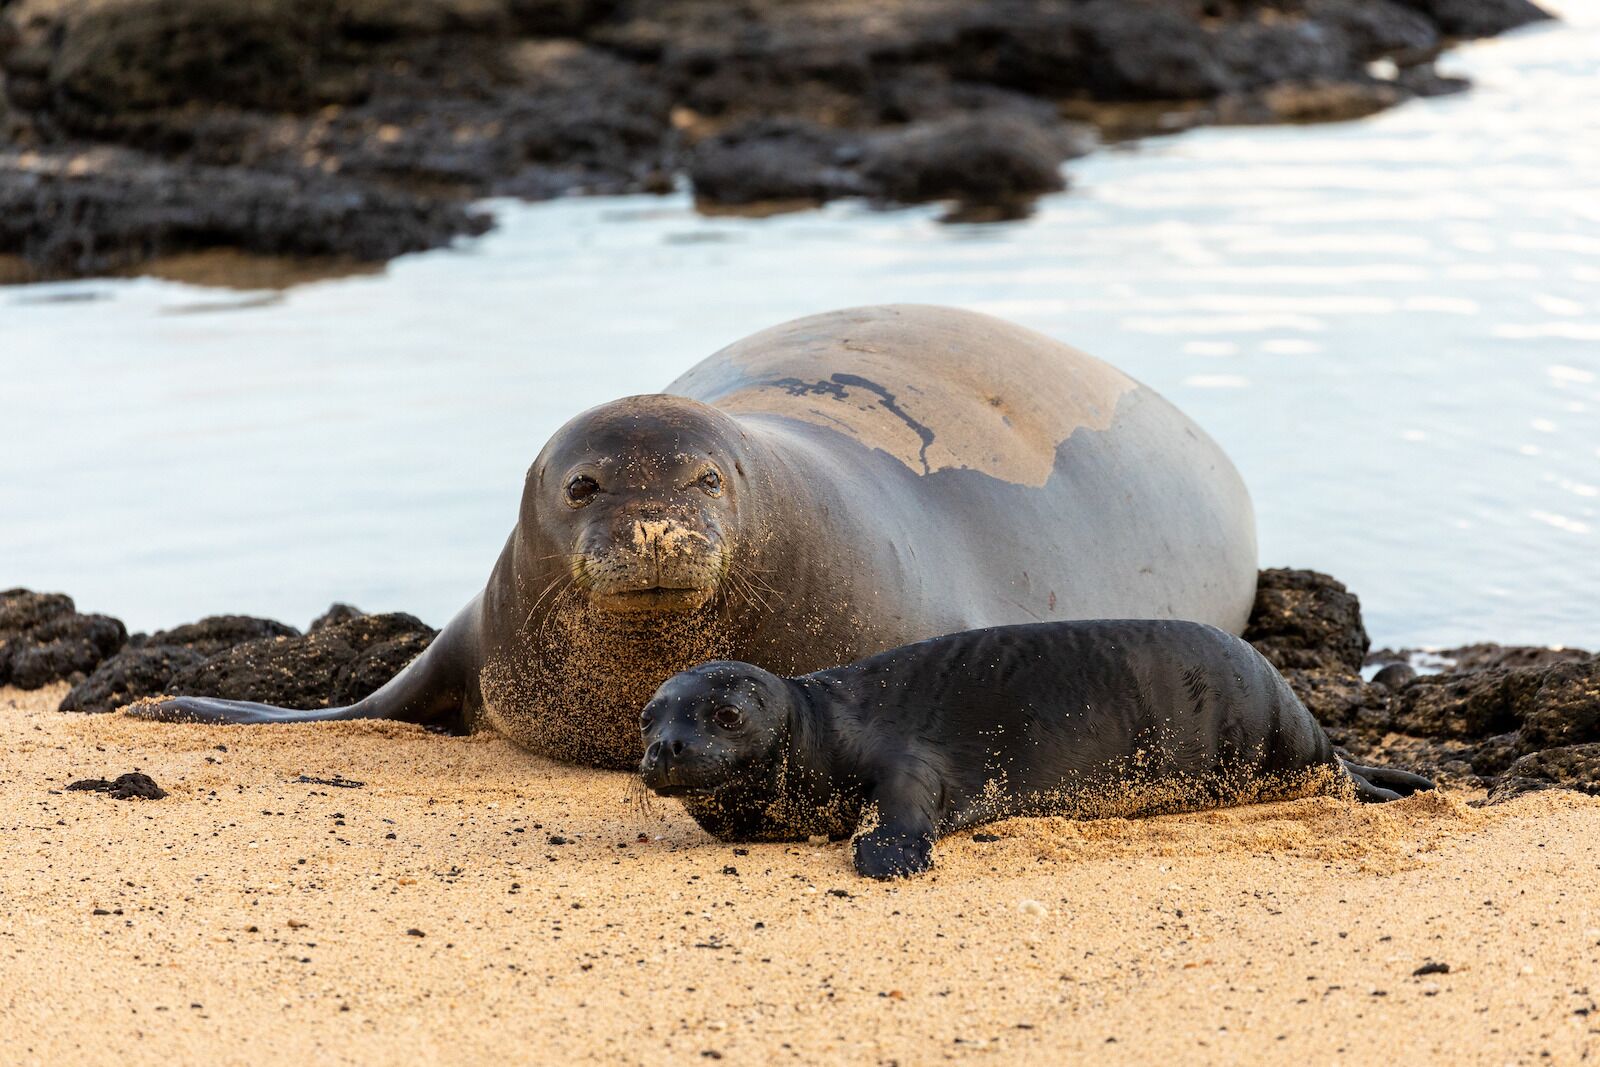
711	482
728	718
581	489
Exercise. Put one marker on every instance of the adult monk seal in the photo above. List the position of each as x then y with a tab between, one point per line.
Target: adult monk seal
1093	719
822	490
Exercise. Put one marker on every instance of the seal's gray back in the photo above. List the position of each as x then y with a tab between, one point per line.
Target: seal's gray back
1046	484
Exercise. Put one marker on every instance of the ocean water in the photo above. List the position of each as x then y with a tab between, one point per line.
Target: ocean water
1392	325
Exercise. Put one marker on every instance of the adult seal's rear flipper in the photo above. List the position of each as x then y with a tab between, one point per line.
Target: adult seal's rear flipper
1376	785
431	690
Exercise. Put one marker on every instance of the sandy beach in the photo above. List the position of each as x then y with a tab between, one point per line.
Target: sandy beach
469	903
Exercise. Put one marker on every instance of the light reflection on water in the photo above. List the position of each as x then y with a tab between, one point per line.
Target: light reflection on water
1392	326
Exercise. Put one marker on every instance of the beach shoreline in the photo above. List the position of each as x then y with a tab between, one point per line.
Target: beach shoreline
429	913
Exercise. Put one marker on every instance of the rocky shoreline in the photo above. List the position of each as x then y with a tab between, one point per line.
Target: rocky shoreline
357	130
1507	719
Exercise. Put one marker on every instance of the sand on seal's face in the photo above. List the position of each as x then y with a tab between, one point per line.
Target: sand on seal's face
251	919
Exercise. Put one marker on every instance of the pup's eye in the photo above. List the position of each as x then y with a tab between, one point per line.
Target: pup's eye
728	718
646	720
711	482
581	488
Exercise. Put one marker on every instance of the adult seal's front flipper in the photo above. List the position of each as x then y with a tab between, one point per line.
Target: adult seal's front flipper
431	690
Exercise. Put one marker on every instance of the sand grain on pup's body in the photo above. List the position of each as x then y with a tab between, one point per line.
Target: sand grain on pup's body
820	491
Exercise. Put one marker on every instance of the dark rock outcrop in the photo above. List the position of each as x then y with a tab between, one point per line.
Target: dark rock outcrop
353	130
72	212
132	674
1491	711
1303	619
335	664
146	666
133	785
983	159
344	656
216	633
44	639
1551	705
1567	767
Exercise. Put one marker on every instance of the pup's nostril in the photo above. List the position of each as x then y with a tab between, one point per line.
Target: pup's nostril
677	748
653	753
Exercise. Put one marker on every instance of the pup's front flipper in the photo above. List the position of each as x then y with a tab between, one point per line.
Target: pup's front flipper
883	855
902	843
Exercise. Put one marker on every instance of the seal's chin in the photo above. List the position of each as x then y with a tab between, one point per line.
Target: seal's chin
668	790
654	599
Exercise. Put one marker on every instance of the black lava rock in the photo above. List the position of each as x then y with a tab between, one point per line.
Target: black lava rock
979	159
360	129
1553	705
77	210
336	613
1395	676
43	639
149	663
1566	767
1478	18
217	633
336	664
777	160
130	675
1558	705
124	787
1305	619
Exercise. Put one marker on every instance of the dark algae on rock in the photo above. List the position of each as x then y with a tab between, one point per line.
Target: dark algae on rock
351	131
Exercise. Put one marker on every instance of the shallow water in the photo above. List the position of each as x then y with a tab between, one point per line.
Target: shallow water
1392	326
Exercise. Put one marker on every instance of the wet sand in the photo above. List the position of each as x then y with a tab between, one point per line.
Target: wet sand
470	903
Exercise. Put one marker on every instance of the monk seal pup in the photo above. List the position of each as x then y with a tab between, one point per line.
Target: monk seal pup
820	491
1087	719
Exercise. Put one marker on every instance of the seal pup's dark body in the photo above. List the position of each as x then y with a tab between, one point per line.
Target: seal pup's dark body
1100	718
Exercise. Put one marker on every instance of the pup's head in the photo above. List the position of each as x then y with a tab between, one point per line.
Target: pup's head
715	725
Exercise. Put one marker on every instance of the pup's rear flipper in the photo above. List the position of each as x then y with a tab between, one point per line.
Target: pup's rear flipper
1374	785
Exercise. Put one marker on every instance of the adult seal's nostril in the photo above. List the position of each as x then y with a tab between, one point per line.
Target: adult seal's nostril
677	747
652	755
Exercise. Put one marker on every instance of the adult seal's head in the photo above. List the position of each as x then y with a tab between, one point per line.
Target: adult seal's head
642	501
716	727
